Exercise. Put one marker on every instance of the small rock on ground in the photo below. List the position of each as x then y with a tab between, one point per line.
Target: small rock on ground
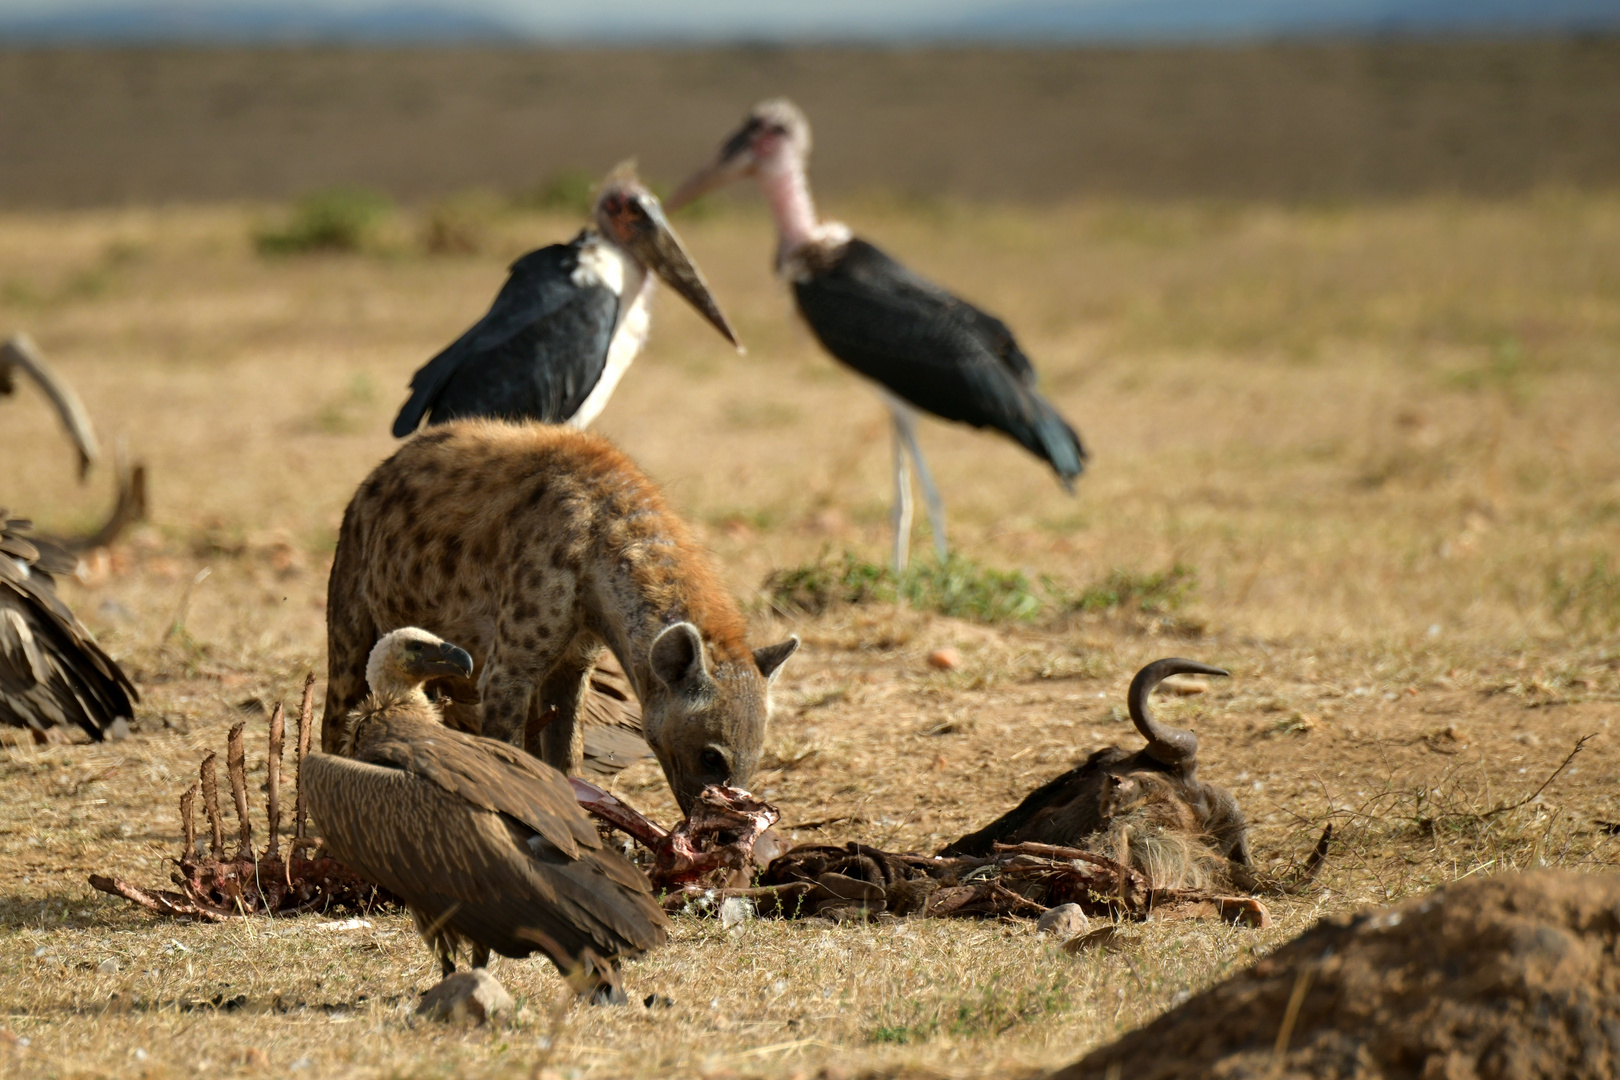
467	997
1065	920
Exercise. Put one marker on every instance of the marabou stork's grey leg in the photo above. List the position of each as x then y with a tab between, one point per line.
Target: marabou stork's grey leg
905	426
902	499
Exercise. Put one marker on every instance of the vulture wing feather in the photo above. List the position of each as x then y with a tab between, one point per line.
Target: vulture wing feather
52	672
489	877
489	774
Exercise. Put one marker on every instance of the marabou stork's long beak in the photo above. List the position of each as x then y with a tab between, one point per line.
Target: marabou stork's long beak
441	659
656	246
732	163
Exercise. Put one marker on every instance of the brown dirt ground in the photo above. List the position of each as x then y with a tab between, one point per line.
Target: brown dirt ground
1383	436
1292	121
1512	976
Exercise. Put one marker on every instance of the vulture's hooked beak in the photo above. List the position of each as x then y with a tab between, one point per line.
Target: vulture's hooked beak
655	244
442	659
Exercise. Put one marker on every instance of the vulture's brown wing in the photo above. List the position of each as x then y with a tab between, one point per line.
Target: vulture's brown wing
612	721
52	672
484	875
489	774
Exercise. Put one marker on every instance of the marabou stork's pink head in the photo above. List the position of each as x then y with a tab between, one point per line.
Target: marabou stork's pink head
774	139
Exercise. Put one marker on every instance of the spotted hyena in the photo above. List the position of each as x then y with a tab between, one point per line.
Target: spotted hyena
534	547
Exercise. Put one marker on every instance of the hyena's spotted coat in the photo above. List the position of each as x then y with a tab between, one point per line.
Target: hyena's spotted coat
533	547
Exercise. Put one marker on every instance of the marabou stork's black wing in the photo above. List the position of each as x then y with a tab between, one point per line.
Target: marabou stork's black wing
52	672
476	871
934	350
536	355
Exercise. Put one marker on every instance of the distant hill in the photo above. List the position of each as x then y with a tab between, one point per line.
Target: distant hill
1192	20
1296	121
1045	21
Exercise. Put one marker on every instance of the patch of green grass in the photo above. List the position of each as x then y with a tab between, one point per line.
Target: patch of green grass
332	219
987	1013
828	583
348	412
460	224
1150	593
1504	370
962	588
565	191
1589	598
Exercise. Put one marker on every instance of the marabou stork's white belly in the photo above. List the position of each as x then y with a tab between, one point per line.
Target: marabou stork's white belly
604	263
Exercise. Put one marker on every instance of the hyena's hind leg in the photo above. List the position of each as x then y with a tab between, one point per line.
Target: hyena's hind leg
509	685
556	735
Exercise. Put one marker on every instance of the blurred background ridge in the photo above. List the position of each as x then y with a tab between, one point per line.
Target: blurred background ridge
710	21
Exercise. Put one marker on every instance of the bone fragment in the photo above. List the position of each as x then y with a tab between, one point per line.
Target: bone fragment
306	719
236	766
272	802
188	820
210	792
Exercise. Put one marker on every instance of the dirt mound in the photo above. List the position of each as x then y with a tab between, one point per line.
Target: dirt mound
1507	977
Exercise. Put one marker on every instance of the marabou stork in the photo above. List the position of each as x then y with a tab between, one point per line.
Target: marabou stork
923	346
487	845
568	322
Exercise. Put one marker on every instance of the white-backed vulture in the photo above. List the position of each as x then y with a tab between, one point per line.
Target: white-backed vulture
486	844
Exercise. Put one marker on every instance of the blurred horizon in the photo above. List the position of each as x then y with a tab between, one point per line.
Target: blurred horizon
708	22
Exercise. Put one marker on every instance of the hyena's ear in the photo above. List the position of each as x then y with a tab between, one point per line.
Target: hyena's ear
771	658
677	659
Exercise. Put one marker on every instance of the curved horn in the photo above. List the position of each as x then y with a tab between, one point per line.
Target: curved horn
21	352
1170	746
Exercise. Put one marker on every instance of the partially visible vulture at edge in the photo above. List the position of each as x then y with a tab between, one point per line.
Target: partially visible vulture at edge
52	672
925	348
486	844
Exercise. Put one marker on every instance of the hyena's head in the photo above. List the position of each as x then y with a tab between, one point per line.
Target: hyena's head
706	720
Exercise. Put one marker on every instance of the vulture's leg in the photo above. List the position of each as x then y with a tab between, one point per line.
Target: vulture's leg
902	499
480	956
905	426
608	990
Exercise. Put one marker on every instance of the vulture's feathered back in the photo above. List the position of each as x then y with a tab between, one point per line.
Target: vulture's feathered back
52	672
485	843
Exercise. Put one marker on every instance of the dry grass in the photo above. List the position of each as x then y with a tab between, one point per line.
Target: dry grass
1381	437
